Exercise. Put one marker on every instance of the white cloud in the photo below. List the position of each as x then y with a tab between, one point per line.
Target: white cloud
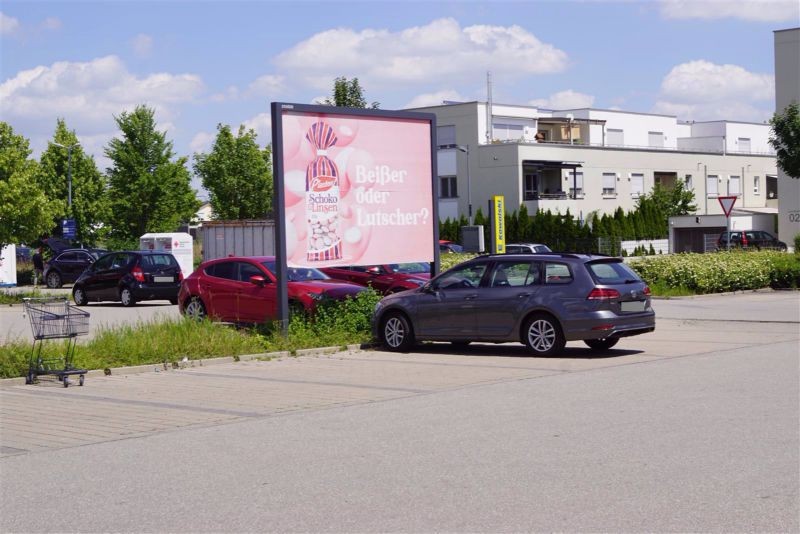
51	23
88	95
701	90
753	10
202	142
8	24
268	85
434	99
230	93
262	124
567	99
440	49
142	45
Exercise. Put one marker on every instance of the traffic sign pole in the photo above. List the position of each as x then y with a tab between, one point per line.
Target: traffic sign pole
727	208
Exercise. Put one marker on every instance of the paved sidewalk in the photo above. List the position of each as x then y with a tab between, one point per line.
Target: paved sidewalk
48	416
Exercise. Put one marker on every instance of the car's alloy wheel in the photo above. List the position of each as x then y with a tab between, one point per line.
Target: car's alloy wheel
53	280
195	309
543	335
126	297
79	296
601	344
396	333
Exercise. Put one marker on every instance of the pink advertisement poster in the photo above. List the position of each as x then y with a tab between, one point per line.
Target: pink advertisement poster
357	189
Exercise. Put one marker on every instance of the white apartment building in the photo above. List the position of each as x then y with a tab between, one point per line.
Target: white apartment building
593	161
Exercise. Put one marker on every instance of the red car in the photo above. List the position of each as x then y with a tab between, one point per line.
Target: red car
385	279
242	289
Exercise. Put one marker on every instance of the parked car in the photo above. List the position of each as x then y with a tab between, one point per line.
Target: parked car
526	248
541	300
128	277
448	247
385	279
749	239
243	289
67	266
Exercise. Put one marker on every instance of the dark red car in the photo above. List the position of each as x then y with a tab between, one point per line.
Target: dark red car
242	289
385	279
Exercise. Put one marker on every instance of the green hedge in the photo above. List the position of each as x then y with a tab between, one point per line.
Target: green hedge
722	271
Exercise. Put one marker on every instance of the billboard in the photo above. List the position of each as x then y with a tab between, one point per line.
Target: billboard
356	186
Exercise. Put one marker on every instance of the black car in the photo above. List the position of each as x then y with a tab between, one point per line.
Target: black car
750	239
129	277
68	265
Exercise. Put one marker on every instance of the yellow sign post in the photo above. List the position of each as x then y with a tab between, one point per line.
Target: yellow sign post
499	226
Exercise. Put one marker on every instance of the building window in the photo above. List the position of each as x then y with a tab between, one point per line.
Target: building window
637	185
609	184
688	183
734	188
743	144
655	139
445	135
448	187
614	137
508	132
530	192
712	187
757	185
576	186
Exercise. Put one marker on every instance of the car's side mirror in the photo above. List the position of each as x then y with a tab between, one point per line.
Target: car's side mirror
430	289
258	280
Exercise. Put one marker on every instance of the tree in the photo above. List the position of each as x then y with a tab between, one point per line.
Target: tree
89	187
348	94
237	175
26	214
148	191
785	139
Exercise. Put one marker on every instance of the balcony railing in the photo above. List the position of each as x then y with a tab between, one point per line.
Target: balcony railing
581	144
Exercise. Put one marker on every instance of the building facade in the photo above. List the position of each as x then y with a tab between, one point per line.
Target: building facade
787	91
592	161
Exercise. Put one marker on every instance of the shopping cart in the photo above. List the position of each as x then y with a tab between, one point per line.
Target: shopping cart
54	318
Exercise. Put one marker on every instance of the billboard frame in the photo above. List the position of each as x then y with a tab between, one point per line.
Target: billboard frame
279	198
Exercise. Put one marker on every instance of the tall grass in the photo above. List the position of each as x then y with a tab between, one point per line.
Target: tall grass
167	341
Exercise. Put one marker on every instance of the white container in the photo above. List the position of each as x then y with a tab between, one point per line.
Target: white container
8	266
179	244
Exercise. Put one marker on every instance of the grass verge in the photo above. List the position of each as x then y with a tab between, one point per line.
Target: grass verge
167	342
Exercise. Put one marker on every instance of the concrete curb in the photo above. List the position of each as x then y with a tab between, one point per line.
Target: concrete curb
188	364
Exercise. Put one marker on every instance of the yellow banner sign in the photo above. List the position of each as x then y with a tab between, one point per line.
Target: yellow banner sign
499	214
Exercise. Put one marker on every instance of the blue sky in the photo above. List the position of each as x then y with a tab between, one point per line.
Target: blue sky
203	63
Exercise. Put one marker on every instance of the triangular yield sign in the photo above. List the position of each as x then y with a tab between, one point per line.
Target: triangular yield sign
727	204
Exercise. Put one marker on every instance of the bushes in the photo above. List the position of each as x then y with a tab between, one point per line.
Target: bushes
721	271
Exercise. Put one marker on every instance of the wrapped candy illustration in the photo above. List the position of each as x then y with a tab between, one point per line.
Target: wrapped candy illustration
322	197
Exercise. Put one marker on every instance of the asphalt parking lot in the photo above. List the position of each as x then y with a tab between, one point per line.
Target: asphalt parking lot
432	440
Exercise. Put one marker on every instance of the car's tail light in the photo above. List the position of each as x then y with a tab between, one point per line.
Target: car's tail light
138	274
647	291
180	278
602	294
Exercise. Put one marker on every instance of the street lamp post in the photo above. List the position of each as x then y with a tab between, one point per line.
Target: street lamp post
465	150
69	172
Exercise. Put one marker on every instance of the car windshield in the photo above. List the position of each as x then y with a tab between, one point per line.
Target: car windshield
610	273
409	268
298	274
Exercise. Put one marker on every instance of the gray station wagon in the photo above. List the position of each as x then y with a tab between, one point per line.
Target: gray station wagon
541	300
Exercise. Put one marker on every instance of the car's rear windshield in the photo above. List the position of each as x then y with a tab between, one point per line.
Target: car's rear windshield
159	260
612	272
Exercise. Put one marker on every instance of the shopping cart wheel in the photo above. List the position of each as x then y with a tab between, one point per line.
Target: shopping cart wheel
80	380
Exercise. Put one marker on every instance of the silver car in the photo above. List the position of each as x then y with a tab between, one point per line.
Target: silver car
541	300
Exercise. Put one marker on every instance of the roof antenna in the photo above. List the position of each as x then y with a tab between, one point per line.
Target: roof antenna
489	108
